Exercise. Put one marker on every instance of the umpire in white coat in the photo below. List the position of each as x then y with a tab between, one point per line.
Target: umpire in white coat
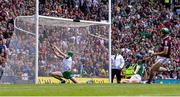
117	62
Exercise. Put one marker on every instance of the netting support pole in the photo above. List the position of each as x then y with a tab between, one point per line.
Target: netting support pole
109	41
37	41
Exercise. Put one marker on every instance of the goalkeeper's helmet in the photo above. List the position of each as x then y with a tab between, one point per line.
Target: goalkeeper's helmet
70	54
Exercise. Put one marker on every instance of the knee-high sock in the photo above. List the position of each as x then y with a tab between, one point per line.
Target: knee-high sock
151	75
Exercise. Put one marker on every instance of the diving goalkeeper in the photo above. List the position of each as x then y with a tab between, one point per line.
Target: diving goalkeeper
66	65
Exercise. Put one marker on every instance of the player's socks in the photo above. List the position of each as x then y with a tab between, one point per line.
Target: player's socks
62	81
150	79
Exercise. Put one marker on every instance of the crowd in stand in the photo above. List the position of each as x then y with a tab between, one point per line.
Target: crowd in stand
21	54
91	53
95	10
136	26
22	46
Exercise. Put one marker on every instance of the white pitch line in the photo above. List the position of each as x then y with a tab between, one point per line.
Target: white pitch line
89	96
89	85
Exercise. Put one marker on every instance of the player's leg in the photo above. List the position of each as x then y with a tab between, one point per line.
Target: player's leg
145	76
1	72
74	80
163	69
125	81
57	75
113	73
69	75
135	79
118	75
155	67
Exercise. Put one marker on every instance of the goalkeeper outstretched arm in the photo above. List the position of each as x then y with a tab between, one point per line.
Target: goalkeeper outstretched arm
57	52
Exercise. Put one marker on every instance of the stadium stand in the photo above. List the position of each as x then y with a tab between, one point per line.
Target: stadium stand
10	9
74	9
135	28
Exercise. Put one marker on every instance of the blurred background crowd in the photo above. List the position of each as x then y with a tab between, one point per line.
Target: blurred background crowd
21	48
95	10
92	52
135	28
136	25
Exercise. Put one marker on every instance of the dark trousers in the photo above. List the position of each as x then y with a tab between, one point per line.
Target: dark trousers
116	72
1	73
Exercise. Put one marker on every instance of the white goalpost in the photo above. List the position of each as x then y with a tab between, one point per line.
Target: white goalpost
94	31
37	41
109	19
82	21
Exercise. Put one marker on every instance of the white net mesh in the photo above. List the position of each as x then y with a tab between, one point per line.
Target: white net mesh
21	62
89	42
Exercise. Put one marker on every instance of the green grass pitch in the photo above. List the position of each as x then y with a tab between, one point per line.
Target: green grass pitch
90	90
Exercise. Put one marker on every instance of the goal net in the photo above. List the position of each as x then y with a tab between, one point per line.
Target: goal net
20	67
88	41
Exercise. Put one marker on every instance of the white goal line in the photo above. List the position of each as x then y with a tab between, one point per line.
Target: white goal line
90	96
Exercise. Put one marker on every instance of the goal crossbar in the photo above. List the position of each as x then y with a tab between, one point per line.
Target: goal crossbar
84	22
81	21
20	29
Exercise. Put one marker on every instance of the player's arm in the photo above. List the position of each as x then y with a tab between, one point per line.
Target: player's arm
58	50
147	57
137	69
122	62
55	49
165	51
57	54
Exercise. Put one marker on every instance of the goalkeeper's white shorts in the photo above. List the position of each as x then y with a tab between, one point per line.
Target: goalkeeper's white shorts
136	77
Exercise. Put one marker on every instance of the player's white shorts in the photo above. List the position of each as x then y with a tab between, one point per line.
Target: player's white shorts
136	77
163	60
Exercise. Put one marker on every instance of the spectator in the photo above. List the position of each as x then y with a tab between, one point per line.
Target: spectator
136	25
117	66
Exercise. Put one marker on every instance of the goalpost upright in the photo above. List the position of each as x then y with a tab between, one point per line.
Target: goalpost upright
37	41
109	21
37	37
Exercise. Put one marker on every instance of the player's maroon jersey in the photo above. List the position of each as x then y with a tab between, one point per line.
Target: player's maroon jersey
166	43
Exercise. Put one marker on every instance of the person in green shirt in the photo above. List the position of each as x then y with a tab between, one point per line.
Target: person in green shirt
139	71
